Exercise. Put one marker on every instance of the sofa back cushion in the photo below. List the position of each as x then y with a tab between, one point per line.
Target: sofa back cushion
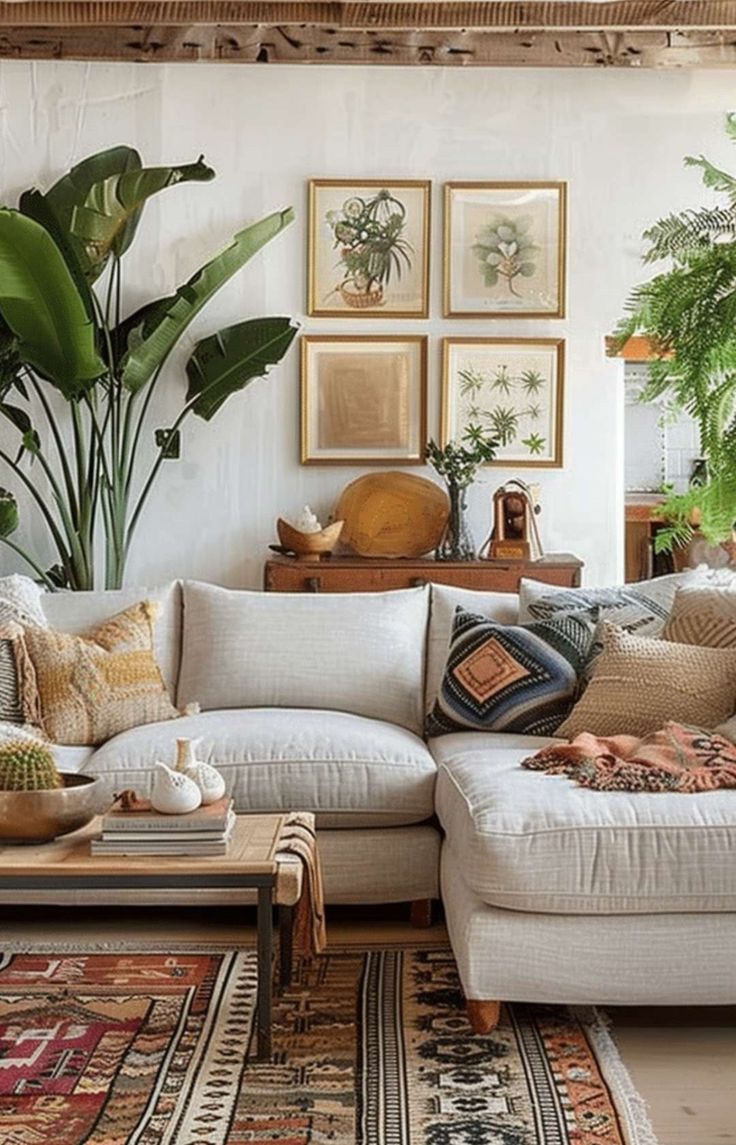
503	607
352	652
80	612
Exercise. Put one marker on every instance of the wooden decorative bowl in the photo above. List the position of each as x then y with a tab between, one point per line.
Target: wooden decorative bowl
308	546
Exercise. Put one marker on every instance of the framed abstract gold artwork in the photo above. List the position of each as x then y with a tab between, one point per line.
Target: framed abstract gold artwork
505	250
368	251
513	388
363	399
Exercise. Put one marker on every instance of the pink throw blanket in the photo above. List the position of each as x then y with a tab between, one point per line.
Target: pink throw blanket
676	758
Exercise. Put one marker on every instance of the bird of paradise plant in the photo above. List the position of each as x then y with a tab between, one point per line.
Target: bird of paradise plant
63	331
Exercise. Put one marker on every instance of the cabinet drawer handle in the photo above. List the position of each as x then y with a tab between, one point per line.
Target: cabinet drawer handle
418	582
314	584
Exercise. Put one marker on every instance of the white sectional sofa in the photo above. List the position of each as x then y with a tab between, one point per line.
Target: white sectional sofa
552	892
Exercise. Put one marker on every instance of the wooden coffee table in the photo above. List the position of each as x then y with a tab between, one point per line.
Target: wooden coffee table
49	871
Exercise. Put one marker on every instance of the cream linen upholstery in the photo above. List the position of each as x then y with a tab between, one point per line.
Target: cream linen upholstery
500	606
387	864
354	652
641	960
533	842
350	770
77	612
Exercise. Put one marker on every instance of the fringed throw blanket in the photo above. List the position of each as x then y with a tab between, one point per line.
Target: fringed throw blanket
676	758
298	838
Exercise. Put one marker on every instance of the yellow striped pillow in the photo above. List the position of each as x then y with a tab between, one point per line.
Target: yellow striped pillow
82	690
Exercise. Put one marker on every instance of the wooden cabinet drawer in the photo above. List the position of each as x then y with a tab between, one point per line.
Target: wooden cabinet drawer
349	574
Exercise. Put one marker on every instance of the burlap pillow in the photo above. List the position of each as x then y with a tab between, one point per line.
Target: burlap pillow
640	683
705	616
84	689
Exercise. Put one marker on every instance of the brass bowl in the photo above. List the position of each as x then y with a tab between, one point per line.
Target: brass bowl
39	816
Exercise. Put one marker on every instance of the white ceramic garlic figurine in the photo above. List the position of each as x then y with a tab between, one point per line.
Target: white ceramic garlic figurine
173	792
207	778
307	521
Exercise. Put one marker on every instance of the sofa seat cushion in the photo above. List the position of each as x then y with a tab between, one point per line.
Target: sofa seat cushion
349	770
535	842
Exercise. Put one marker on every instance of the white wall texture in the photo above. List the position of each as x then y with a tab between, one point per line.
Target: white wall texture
617	137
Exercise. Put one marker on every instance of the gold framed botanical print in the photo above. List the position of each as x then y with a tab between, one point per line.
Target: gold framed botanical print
368	248
363	399
513	388
505	250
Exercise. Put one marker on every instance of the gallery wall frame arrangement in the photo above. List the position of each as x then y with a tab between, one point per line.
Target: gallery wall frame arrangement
368	248
363	399
505	249
513	388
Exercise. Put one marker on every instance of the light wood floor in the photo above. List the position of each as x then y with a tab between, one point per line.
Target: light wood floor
683	1061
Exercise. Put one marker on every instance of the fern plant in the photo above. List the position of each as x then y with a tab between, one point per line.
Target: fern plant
688	313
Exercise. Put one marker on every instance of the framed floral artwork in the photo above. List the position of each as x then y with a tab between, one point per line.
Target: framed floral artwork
368	253
505	250
513	388
363	399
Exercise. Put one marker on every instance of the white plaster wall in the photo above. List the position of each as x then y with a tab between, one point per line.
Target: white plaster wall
617	137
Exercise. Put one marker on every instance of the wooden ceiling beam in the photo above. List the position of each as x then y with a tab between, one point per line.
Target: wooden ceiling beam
300	44
409	15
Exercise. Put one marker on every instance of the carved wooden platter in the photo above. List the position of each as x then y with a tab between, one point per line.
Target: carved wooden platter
392	514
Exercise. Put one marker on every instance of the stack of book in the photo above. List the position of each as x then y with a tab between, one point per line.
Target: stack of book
206	831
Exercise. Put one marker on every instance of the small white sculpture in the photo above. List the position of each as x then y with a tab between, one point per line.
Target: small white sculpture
307	521
207	778
173	792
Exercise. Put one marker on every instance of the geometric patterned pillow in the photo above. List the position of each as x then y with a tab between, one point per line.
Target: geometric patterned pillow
704	616
516	678
637	608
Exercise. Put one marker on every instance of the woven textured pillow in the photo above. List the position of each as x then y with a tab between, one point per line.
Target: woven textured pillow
640	684
641	608
514	678
705	616
83	690
20	603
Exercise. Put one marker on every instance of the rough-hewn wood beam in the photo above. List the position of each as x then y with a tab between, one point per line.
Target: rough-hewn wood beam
300	44
379	14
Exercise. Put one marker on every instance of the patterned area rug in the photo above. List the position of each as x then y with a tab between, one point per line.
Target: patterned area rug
370	1049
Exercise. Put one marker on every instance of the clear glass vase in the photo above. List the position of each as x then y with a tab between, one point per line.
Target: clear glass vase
456	543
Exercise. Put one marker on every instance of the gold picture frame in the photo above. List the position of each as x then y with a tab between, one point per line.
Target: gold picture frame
337	286
363	399
514	388
518	273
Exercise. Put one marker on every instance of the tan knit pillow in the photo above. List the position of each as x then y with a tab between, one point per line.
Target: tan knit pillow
84	689
705	616
639	683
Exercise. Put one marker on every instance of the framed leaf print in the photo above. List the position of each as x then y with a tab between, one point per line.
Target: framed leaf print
364	399
368	253
513	388
505	250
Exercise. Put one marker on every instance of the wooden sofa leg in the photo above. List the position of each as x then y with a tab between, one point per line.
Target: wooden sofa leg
421	913
483	1016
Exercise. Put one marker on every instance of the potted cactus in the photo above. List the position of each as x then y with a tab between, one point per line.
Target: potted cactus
37	801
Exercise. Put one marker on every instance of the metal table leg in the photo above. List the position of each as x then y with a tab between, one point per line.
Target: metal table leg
286	954
265	954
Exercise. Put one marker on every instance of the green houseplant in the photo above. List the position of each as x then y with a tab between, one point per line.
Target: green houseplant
64	332
688	313
369	233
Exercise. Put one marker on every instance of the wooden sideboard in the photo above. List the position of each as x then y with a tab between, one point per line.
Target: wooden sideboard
363	574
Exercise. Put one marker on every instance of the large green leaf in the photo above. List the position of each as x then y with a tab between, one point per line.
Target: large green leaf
72	190
105	222
42	306
36	206
225	362
148	349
